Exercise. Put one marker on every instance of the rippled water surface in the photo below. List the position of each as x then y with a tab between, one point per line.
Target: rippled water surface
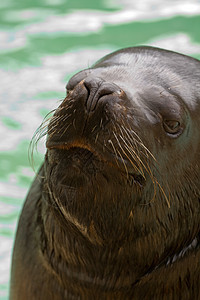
44	42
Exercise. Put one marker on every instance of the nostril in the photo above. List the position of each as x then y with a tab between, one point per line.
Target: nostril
96	89
92	85
88	90
91	82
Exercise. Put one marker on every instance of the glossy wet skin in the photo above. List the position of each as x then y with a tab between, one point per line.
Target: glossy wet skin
119	155
114	211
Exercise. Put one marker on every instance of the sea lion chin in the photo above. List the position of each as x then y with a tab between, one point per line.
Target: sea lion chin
114	210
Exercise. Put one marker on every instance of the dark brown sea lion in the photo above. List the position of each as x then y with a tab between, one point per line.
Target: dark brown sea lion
115	210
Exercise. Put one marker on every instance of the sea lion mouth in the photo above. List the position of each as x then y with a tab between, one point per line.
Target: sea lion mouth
86	153
73	145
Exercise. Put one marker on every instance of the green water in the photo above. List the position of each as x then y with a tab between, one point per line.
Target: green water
42	43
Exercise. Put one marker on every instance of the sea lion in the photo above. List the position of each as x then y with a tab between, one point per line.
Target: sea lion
114	212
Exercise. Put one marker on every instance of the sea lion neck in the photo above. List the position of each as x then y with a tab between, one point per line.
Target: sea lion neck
69	240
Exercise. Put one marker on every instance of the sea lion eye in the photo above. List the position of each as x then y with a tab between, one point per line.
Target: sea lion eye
171	126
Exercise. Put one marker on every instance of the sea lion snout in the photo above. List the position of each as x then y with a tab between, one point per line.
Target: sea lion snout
97	88
89	109
93	94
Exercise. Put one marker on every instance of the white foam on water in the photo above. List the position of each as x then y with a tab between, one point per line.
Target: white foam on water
83	22
5	258
11	41
87	21
157	8
6	209
11	190
179	42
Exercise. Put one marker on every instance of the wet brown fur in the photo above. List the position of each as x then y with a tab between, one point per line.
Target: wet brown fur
114	211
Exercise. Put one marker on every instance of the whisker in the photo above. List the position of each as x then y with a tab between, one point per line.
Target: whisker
130	148
138	140
66	128
123	163
164	194
40	132
131	144
120	153
140	170
133	153
97	135
110	141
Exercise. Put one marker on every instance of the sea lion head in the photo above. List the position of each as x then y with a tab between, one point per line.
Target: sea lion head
123	157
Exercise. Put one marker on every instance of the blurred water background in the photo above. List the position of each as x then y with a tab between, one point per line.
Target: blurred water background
43	43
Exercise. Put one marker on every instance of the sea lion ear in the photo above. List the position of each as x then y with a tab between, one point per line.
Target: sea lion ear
74	80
